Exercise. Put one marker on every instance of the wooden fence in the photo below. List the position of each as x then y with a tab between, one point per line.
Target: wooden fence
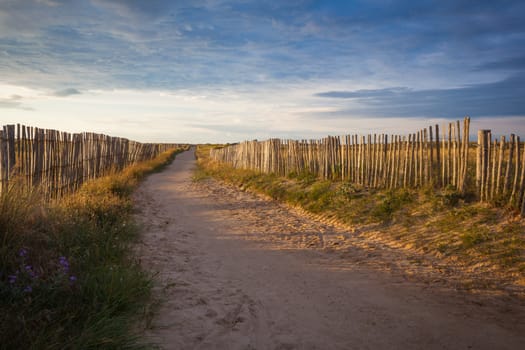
424	158
59	162
500	170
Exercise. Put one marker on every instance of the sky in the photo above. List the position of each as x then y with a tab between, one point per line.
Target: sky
231	70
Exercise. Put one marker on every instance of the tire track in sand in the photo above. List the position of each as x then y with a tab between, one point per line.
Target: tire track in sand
237	271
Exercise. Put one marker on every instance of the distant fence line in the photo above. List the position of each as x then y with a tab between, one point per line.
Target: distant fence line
59	162
424	158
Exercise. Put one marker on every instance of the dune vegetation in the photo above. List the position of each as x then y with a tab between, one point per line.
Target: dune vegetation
69	279
485	243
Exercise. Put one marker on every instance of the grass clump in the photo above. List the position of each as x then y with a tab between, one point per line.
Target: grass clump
474	237
391	202
68	279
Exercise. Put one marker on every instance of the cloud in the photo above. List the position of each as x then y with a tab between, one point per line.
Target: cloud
364	93
140	8
364	58
66	92
48	2
509	64
147	44
14	102
501	98
229	128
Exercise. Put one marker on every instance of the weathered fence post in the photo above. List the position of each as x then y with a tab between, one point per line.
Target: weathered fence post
516	172
482	163
508	173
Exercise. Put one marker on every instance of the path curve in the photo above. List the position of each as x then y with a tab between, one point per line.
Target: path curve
240	272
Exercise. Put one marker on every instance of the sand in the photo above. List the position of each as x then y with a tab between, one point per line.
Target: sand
238	271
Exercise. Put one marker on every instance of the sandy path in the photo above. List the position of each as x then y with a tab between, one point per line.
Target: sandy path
240	272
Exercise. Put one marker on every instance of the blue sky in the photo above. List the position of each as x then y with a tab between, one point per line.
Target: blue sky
224	70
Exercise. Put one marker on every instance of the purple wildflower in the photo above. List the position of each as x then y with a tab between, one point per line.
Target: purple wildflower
12	279
64	263
29	270
28	289
72	278
22	252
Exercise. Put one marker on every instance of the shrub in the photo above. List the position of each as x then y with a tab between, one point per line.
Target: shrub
392	201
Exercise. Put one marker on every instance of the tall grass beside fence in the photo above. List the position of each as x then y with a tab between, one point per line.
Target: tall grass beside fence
58	163
494	171
68	278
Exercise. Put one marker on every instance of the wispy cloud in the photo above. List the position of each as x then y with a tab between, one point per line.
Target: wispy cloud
66	92
502	98
14	102
148	44
506	64
367	58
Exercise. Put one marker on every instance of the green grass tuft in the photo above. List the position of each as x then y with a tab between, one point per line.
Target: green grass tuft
391	202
